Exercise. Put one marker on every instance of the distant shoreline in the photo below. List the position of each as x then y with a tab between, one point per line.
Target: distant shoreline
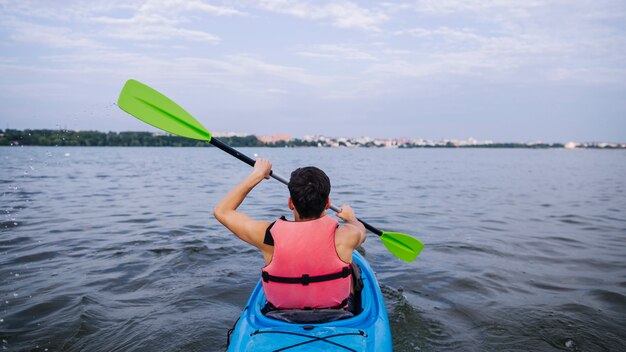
67	138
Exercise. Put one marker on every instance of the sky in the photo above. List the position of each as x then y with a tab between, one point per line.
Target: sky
532	70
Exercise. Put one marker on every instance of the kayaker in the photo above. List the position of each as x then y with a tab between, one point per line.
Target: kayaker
308	259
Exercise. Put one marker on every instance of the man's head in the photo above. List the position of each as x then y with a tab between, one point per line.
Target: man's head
309	188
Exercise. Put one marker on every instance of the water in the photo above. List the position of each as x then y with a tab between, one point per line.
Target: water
115	249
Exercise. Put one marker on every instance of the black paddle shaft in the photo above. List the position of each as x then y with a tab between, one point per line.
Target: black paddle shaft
248	160
232	151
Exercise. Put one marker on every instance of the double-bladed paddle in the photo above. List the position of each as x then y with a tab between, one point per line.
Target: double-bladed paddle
156	109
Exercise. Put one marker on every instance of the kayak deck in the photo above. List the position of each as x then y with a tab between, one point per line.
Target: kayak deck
367	331
297	338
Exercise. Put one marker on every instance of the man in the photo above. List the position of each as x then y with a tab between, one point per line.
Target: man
307	260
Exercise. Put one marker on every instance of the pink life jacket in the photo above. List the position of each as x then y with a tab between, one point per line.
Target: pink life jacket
305	270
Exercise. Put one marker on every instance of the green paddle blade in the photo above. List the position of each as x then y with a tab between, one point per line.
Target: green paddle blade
152	107
402	245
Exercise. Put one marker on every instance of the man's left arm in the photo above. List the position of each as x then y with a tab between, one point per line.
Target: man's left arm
353	231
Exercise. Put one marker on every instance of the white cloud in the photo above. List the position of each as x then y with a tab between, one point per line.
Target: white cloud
154	31
149	19
77	10
64	10
248	65
336	52
233	72
426	42
444	32
52	36
341	14
440	7
276	91
513	40
162	20
179	6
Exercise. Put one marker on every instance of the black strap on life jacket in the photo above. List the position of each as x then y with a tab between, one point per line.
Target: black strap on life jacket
269	239
306	279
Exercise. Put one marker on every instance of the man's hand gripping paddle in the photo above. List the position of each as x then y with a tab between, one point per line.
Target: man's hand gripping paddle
156	109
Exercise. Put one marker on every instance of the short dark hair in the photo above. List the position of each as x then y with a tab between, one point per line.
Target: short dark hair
309	188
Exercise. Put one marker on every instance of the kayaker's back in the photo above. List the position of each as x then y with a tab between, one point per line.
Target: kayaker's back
305	271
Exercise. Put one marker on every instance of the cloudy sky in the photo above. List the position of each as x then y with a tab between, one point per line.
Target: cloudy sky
489	69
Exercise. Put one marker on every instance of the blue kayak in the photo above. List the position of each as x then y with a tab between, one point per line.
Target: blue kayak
366	331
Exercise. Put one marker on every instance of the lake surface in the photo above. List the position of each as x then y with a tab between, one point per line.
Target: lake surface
116	249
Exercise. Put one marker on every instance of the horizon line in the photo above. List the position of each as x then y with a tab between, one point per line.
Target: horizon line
288	136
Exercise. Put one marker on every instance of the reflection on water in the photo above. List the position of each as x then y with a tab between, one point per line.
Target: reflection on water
115	249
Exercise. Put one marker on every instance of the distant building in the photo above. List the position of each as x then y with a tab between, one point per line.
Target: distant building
281	137
570	145
230	134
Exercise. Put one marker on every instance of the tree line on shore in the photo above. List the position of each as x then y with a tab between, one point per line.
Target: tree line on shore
46	137
42	137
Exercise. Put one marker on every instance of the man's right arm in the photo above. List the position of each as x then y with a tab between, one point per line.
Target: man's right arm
240	224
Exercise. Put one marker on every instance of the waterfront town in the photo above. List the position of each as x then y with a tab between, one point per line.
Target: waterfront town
65	137
356	142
